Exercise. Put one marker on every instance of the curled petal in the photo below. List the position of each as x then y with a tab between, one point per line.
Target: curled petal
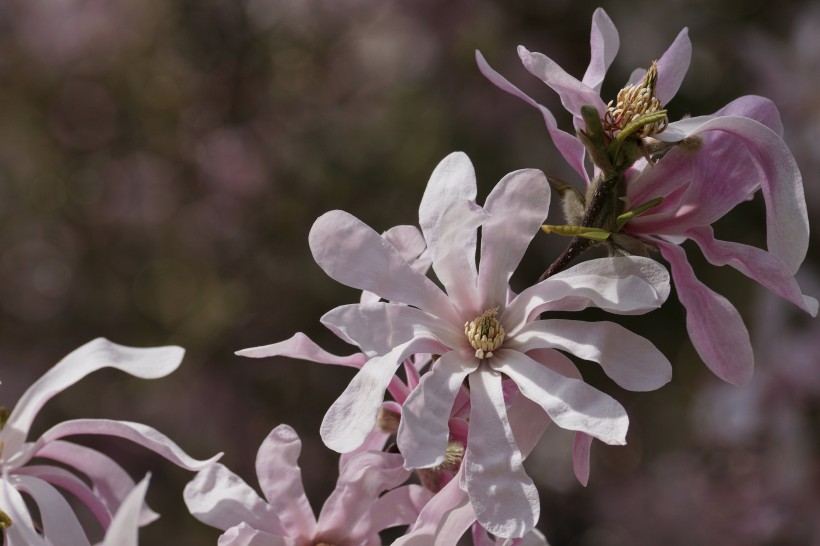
423	430
504	498
571	403
627	358
60	525
604	43
302	347
150	363
714	325
400	506
518	205
281	480
580	457
21	532
672	67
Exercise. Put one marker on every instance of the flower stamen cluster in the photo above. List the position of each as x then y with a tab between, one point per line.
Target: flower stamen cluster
634	102
485	333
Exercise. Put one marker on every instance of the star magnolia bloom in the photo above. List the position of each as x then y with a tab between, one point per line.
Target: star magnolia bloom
421	318
368	499
110	484
723	159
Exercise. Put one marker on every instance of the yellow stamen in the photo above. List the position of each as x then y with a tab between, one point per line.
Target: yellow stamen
634	102
485	333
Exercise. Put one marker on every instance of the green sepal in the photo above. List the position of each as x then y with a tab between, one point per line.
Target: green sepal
596	234
5	520
621	221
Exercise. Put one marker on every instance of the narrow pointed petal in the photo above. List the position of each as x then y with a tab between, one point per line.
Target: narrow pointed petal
280	477
379	327
400	506
604	43
110	482
219	498
714	325
504	498
60	525
630	360
454	255
443	519
568	145
571	403
353	415
756	264
351	253
580	457
423	430
302	347
124	529
140	434
453	180
21	532
518	205
672	67
67	481
573	93
150	363
624	285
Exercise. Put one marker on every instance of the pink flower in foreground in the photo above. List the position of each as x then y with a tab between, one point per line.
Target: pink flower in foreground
421	318
723	159
110	484
368	498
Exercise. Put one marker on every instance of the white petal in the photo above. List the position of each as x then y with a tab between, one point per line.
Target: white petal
302	347
604	44
60	525
124	529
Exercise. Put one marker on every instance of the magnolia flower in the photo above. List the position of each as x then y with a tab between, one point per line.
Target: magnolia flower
722	160
368	498
110	484
479	335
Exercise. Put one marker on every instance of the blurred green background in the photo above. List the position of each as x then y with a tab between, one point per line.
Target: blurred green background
161	164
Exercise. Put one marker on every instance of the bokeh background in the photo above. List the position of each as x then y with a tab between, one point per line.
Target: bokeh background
161	164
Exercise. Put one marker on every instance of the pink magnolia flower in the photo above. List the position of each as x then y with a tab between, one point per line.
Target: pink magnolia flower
723	160
368	498
110	484
421	318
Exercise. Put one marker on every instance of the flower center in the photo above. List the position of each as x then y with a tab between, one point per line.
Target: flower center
485	333
635	102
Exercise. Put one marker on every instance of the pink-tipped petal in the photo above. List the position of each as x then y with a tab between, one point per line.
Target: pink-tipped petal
518	205
570	403
580	457
140	434
573	93
672	67
149	363
351	253
352	416
630	360
280	477
124	529
604	43
756	264
302	347
60	525
714	325
504	498
568	145
219	498
423	430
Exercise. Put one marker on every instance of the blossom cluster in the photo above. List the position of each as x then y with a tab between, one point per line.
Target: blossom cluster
475	369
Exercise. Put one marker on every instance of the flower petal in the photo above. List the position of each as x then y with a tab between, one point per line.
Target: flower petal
623	285
353	415
379	327
110	482
504	498
423	429
400	506
353	254
672	67
124	529
443	520
604	43
714	325
571	403
453	180
21	532
219	498
630	360
568	145
518	205
245	535
60	525
756	264
581	445
279	476
573	93
150	363
140	434
302	347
